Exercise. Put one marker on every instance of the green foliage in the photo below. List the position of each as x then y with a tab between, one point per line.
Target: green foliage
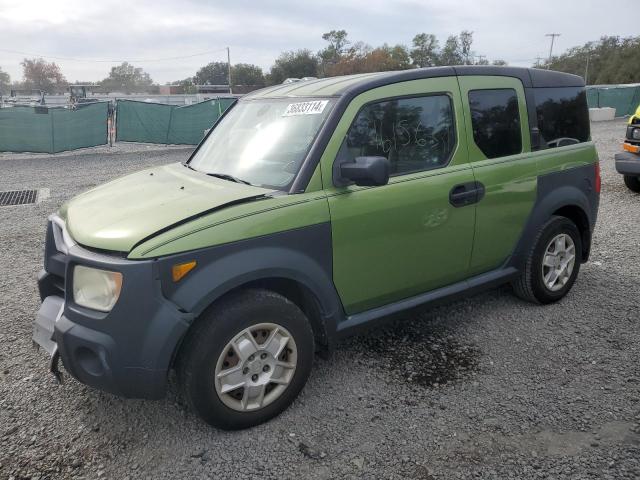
611	60
42	75
293	64
337	42
451	52
127	79
246	74
5	81
425	50
214	73
187	84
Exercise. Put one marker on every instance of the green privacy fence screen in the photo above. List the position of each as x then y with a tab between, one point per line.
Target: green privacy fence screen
159	123
625	99
53	130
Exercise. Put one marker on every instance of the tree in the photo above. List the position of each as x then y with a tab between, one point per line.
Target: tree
247	75
611	60
337	42
128	79
293	64
465	42
187	84
5	81
364	59
425	50
214	73
451	53
499	63
41	75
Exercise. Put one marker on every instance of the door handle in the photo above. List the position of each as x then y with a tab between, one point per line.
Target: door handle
465	194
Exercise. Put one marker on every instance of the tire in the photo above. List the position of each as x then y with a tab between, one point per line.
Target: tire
632	183
531	284
219	343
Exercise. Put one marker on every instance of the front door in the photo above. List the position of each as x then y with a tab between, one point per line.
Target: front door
399	240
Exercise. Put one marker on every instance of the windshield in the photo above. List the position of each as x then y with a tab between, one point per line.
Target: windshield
262	142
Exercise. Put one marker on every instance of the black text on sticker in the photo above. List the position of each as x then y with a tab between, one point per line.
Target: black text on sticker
305	108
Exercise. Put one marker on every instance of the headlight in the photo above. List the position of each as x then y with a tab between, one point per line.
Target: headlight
635	134
96	289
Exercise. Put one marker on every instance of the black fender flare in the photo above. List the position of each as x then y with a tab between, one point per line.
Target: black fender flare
301	255
569	188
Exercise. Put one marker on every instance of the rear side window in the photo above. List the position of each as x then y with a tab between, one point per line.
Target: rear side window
414	134
495	120
563	116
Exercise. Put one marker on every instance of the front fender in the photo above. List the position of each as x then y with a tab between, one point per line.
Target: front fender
302	255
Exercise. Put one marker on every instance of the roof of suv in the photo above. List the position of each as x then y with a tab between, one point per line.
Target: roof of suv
353	84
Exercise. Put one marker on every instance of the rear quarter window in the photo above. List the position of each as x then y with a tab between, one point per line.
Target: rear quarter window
563	116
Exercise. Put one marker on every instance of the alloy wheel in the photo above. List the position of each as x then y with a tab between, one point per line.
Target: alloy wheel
256	367
558	262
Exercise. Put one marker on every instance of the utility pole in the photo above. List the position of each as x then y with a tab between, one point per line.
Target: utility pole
480	59
538	61
586	69
229	65
553	37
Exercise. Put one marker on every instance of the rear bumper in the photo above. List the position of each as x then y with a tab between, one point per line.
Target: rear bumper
628	163
127	351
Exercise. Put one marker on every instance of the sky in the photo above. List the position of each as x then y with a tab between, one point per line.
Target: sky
172	39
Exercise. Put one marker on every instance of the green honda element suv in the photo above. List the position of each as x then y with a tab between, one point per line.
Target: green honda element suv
311	210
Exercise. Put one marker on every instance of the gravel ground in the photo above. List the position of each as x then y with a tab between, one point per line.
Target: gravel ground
488	387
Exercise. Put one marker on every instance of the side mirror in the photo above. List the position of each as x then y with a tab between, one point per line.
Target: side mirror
366	171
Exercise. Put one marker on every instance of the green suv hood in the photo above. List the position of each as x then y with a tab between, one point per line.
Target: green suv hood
119	214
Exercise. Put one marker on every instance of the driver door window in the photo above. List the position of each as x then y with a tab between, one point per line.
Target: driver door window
414	134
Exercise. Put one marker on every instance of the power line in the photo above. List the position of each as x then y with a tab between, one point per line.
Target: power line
53	57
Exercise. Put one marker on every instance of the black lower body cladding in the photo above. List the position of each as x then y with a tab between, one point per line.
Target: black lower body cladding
129	350
570	193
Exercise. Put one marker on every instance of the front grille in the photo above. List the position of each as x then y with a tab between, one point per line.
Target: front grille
18	197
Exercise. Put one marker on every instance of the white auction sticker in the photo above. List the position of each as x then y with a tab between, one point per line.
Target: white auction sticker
305	108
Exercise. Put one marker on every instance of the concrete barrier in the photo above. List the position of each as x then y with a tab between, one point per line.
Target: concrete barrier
602	114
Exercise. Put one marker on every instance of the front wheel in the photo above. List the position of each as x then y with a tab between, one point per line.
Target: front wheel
553	263
632	183
246	359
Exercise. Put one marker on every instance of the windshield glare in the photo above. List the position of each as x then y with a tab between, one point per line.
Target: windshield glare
263	142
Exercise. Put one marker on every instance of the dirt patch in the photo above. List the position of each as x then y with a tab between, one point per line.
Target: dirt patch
420	353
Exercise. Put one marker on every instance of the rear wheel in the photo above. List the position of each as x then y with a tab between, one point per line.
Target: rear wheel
552	264
632	183
246	359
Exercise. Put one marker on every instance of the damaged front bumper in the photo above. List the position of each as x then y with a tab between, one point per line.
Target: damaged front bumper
43	331
127	351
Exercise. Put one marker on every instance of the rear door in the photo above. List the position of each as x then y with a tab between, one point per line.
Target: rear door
500	154
398	240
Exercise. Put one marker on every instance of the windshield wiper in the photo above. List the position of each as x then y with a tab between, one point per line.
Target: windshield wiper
226	176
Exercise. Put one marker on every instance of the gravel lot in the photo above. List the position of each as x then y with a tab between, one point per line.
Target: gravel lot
489	387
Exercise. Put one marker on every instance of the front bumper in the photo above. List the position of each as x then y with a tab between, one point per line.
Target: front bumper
628	163
127	351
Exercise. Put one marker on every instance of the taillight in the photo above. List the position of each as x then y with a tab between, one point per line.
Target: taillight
598	181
